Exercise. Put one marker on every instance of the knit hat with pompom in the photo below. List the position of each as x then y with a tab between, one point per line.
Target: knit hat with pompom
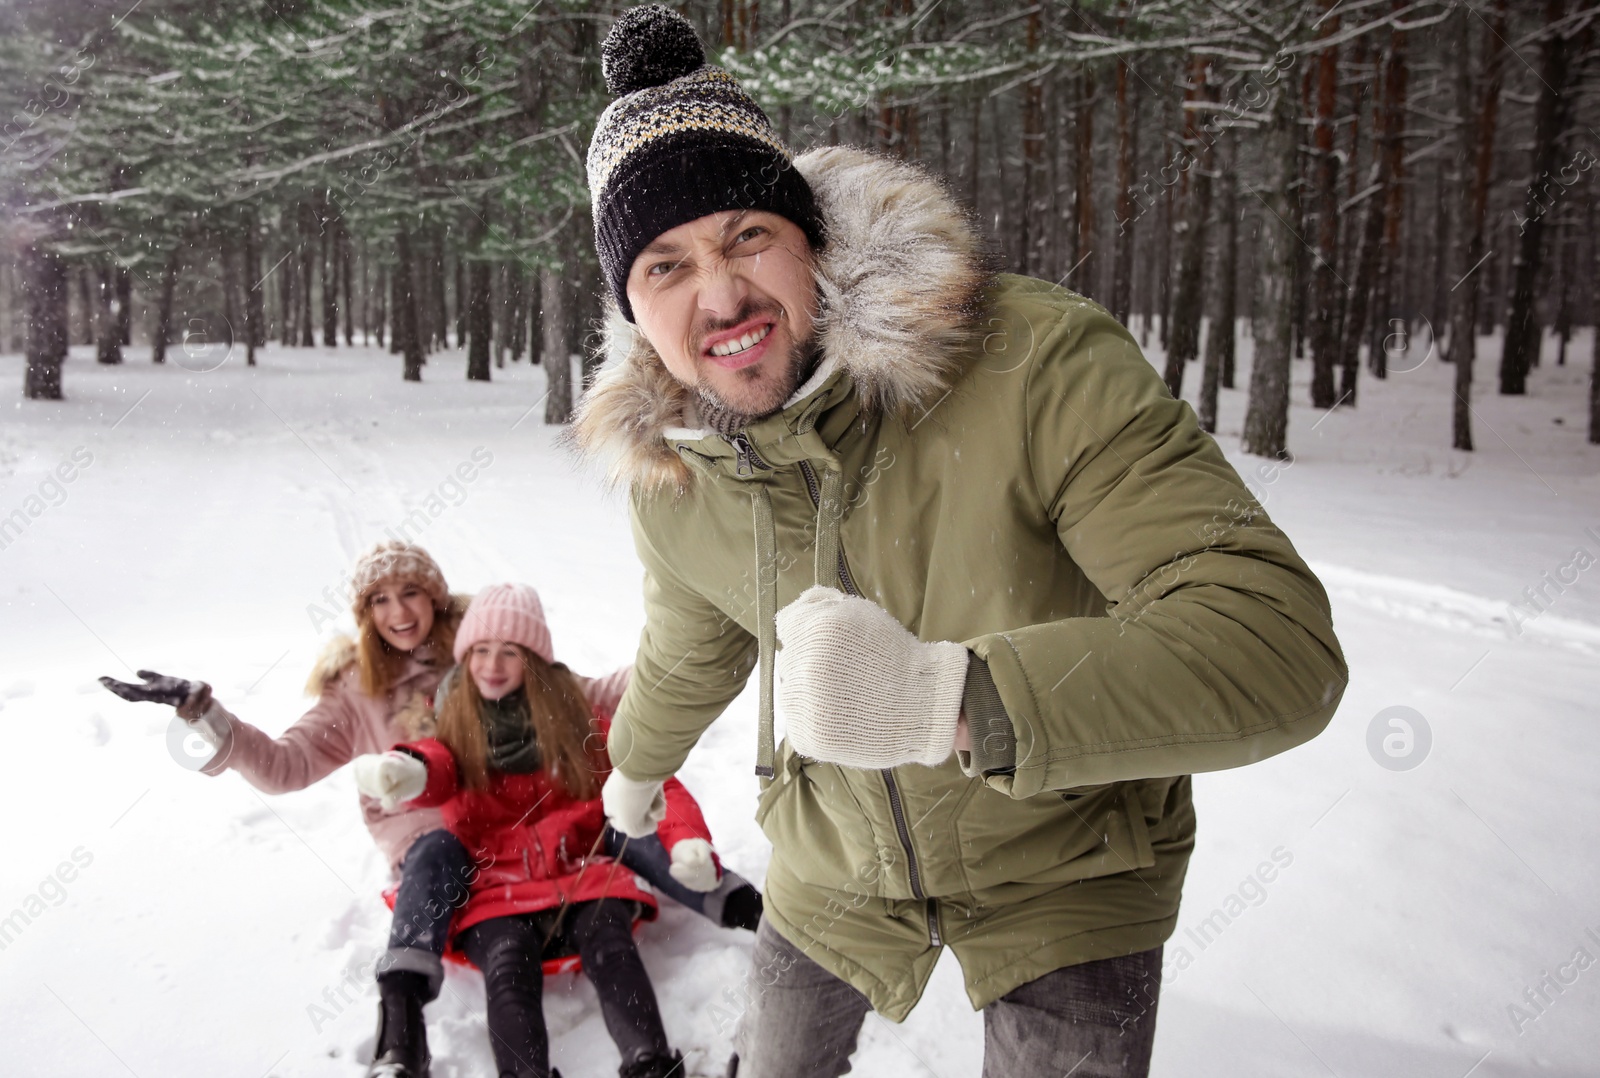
393	559
505	614
682	140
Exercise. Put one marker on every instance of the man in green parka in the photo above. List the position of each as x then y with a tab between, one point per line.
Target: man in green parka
1019	595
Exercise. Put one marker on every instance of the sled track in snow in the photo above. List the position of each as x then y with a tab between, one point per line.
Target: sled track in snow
1448	608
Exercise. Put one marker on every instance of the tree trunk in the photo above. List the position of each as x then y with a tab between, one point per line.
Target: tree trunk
1563	287
124	284
1224	310
169	284
974	161
999	216
109	348
517	320
232	315
1594	352
330	282
1032	218
1350	229
1083	197
1490	290
1187	304
479	321
1367	261
255	329
1324	341
88	289
406	334
1444	228
557	351
1266	422
394	304
1478	122
45	282
1395	78
591	286
346	273
461	302
1127	166
287	307
380	315
440	314
535	316
308	252
1164	260
1550	121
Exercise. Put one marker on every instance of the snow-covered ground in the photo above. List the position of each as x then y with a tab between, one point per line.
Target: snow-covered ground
175	925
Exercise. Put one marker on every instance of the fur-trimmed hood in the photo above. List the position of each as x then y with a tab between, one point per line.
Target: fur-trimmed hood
900	283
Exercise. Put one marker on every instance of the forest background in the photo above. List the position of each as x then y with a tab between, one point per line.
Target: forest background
1340	179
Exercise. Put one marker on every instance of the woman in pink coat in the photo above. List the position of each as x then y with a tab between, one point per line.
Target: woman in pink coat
372	692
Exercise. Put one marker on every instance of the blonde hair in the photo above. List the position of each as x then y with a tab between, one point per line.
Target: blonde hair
381	663
560	715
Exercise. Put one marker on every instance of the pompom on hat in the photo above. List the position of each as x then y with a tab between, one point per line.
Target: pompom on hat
681	141
392	559
509	614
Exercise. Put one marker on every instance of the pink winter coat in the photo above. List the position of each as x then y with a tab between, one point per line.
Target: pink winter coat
345	723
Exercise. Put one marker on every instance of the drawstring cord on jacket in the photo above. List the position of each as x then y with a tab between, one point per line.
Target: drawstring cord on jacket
825	572
766	623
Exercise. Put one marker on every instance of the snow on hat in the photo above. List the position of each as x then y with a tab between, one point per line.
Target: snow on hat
392	559
505	613
681	141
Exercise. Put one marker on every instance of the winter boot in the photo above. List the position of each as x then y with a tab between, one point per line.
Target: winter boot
742	908
402	1045
654	1067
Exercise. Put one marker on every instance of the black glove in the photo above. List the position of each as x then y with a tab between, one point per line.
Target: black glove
157	688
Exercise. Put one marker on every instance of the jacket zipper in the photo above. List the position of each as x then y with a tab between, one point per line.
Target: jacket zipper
815	490
748	460
895	807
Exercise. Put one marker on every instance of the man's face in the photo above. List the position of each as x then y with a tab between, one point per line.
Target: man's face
729	302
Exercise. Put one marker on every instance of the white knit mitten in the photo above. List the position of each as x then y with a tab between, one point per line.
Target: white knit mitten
856	688
391	777
692	864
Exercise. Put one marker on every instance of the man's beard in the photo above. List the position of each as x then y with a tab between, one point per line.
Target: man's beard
728	417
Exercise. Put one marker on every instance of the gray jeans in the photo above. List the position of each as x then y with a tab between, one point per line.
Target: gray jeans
1095	1020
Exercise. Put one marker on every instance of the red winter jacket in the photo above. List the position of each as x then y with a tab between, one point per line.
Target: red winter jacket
530	841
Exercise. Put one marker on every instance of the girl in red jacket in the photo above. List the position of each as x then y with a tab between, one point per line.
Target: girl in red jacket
516	768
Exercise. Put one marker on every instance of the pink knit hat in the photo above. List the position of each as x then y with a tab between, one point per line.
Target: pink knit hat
509	613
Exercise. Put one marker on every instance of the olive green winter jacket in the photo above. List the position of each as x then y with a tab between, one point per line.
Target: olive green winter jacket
993	461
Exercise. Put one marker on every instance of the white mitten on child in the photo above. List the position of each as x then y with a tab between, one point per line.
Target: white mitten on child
692	864
391	777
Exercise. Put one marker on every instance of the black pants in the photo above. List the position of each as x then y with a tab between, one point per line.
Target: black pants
434	881
510	951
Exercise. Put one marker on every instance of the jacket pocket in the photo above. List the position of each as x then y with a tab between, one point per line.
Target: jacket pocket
782	782
1123	828
1140	853
1075	794
818	828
